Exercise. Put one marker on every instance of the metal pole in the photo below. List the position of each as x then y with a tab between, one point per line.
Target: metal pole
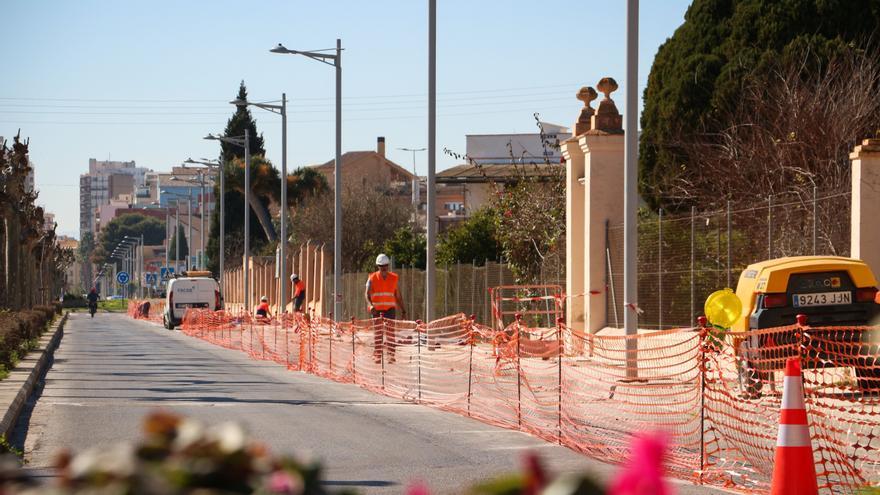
815	221
189	238
247	217
660	269
693	263
221	169
142	282
202	263
728	245
337	184
177	235
283	249
630	192
168	238
431	231
769	226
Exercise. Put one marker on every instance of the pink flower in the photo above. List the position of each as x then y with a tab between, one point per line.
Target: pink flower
643	472
284	482
418	488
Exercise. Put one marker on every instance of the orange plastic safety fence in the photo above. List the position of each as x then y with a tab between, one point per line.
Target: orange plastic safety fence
744	375
146	309
717	396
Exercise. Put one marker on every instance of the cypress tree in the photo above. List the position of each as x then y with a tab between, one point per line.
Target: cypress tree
699	72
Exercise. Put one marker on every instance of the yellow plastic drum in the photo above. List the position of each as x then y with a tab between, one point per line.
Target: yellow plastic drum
723	308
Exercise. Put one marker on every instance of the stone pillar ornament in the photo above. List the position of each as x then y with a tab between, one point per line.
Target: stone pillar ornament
586	94
607	118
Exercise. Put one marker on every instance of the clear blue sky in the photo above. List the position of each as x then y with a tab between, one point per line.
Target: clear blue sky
145	81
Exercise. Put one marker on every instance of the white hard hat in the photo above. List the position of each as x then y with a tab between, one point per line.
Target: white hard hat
264	298
382	260
293	277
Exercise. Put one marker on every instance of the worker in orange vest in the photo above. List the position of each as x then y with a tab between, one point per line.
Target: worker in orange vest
383	299
263	308
299	292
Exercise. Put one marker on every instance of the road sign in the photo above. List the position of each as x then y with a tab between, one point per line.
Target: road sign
166	272
150	278
122	277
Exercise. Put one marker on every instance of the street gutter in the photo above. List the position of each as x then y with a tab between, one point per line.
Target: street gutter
18	386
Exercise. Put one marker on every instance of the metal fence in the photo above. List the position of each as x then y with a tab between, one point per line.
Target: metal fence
461	288
685	257
682	259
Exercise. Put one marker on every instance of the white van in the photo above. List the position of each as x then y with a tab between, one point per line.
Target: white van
192	290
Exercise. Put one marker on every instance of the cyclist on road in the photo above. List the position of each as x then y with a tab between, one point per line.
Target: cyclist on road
92	298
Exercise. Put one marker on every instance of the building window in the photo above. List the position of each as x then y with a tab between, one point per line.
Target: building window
453	206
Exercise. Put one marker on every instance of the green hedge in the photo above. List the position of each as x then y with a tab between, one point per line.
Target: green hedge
19	332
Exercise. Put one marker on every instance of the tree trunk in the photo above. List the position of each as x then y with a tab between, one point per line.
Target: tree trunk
262	216
4	289
13	282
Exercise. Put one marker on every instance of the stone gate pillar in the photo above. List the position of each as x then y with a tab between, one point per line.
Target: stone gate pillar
594	197
865	213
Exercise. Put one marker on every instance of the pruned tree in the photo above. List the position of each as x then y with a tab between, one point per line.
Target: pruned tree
370	218
529	212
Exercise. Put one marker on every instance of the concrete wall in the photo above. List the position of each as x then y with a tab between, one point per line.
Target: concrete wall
865	220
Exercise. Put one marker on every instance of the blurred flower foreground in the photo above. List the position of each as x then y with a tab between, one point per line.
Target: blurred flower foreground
179	455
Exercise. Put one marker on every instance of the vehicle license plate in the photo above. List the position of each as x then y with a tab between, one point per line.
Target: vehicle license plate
822	299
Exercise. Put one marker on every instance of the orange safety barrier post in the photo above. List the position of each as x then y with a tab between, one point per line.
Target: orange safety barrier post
716	394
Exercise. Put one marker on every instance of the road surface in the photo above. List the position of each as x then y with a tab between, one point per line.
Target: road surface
110	371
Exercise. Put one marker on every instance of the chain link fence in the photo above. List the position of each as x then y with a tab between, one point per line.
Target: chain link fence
685	257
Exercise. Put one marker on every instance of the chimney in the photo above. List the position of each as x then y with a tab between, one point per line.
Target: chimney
380	146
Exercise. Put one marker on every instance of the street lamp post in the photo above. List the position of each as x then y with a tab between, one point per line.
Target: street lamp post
280	110
222	191
140	263
431	230
334	60
201	203
415	184
244	142
177	201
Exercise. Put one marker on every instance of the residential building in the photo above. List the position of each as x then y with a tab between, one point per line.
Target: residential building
48	221
105	181
370	168
499	159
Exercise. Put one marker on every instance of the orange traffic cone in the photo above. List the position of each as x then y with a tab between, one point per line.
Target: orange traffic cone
793	471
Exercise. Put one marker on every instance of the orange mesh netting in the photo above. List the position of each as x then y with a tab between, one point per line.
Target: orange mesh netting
146	309
718	396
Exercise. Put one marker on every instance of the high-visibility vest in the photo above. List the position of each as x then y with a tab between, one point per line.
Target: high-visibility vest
382	291
299	288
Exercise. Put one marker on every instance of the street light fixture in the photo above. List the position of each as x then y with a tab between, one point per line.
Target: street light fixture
177	200
415	184
334	60
201	203
140	256
221	172
189	221
282	111
243	142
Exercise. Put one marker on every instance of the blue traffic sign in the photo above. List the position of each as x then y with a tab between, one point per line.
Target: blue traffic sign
150	278
166	272
122	277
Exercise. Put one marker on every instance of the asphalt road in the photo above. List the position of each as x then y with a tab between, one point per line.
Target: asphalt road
111	371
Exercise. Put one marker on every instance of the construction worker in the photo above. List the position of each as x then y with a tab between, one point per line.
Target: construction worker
263	308
383	300
299	292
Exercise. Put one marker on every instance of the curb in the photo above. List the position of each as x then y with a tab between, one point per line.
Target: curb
16	389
